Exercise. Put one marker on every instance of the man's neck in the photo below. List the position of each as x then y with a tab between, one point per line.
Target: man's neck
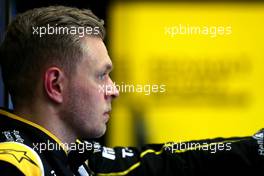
49	119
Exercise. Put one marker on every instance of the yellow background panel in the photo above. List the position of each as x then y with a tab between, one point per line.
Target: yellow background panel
214	84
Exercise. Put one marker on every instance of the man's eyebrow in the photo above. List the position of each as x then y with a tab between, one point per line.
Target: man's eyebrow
108	67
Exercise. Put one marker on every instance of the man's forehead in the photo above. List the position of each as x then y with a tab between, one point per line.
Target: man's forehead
96	52
92	43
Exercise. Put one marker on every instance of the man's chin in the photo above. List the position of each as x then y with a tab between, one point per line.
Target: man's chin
99	132
103	130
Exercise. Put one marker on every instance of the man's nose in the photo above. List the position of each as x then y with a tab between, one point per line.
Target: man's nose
113	92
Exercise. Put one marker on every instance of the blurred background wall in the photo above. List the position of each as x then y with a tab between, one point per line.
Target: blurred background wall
185	69
208	54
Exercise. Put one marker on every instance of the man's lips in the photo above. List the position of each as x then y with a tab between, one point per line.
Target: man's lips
107	112
107	115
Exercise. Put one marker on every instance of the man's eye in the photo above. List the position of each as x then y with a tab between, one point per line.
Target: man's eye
102	76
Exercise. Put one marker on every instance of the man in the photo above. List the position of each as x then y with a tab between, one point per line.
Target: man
53	73
54	64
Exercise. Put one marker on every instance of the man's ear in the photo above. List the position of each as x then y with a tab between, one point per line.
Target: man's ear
54	80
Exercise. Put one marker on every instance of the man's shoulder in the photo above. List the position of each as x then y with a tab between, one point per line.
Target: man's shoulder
15	130
26	145
21	158
16	152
